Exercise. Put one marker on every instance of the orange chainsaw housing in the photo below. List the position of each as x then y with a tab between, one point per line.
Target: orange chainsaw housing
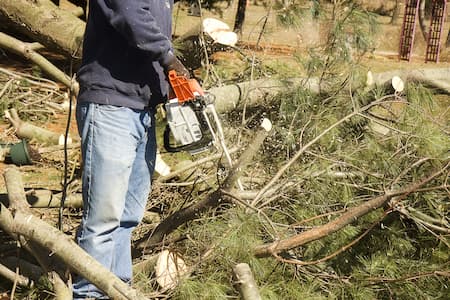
185	89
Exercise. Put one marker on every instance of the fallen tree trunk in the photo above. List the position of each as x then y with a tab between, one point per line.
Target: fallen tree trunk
228	98
17	202
345	219
24	224
45	23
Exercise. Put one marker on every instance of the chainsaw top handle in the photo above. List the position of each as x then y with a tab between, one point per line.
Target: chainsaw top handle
185	89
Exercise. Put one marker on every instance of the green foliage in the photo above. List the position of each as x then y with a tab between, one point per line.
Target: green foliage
348	166
290	15
202	288
350	34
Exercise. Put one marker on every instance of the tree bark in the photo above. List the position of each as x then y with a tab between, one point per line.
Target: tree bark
395	13
46	23
17	201
13	277
76	259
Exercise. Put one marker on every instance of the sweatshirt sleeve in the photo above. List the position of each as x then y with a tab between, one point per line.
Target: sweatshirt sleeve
133	19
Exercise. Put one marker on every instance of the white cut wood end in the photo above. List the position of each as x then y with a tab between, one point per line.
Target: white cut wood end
170	269
266	124
397	84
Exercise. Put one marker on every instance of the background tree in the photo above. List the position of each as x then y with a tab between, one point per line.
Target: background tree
240	16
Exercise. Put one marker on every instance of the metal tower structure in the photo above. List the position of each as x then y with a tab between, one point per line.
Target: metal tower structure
408	29
438	14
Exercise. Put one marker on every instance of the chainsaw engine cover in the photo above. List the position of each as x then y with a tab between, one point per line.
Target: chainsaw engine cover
186	126
183	123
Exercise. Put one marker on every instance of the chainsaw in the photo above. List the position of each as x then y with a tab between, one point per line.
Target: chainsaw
189	112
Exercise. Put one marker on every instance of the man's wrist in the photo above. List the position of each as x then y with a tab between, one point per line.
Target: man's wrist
167	60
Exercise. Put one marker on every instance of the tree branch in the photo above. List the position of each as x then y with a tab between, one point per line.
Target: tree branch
350	216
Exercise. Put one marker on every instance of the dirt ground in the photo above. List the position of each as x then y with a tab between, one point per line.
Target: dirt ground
278	44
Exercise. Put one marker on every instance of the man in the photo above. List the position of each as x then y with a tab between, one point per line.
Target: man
127	53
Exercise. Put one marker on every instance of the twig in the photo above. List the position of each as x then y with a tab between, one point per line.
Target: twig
404	172
5	87
331	213
15	278
58	148
41	82
424	223
234	197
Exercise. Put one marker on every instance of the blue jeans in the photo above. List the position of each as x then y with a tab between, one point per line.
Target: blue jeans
118	150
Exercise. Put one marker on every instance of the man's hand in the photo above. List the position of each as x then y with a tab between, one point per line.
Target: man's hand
171	62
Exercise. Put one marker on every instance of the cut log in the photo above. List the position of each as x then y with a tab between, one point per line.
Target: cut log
45	23
245	282
230	97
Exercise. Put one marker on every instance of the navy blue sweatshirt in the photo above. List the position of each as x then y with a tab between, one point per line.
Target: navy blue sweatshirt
125	43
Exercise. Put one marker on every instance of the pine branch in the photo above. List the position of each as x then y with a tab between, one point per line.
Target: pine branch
410	277
347	218
336	253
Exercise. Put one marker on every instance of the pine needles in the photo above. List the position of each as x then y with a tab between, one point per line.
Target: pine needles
333	158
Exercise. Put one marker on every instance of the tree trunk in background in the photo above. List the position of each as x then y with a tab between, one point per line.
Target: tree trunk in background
395	13
422	20
240	16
